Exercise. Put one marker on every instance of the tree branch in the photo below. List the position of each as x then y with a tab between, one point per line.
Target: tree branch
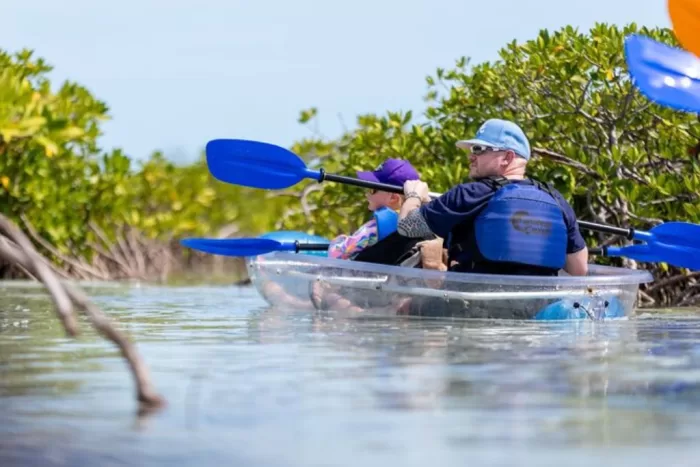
65	296
566	161
50	248
673	280
31	261
648	220
114	252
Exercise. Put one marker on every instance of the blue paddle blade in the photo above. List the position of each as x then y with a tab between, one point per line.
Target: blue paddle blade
237	246
679	256
256	164
664	74
677	233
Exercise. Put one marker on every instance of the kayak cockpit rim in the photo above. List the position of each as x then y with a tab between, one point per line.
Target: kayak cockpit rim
598	275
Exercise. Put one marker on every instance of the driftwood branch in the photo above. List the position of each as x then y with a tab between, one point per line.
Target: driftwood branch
16	248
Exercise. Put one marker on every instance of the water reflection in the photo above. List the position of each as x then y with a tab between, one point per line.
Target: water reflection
598	380
256	385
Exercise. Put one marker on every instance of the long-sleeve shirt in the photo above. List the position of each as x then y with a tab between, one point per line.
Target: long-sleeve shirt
349	246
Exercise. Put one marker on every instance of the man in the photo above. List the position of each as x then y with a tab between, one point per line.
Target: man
501	223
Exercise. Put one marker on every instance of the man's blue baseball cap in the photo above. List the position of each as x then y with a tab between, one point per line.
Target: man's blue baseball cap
501	134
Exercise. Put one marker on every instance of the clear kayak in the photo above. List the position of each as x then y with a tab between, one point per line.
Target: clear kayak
310	280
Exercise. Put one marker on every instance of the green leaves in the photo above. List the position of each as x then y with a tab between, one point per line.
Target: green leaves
307	115
606	147
571	93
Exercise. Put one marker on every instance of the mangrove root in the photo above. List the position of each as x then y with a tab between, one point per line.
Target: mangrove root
17	249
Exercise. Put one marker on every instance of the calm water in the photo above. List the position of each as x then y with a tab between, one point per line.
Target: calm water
251	386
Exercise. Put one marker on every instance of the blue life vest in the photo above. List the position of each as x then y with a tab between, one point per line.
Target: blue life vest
521	230
387	222
522	224
391	247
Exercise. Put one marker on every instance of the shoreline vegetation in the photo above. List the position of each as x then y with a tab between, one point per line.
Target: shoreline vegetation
96	214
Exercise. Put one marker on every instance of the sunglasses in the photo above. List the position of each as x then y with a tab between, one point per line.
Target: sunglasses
479	149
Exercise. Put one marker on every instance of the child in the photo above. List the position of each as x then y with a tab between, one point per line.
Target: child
376	241
385	207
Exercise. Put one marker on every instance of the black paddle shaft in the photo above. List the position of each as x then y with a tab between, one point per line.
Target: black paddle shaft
310	246
598	251
611	229
360	183
366	184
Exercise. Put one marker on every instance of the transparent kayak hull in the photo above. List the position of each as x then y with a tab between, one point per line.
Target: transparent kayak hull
338	286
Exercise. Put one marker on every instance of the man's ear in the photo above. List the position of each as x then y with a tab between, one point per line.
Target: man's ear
510	155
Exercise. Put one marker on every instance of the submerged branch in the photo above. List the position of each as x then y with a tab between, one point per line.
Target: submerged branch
16	248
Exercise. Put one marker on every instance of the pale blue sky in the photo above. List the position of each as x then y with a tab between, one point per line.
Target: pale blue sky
176	75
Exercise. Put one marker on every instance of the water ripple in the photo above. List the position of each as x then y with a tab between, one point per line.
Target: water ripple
256	386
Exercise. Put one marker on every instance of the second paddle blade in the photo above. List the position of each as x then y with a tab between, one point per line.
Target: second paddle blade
679	256
678	233
666	75
235	246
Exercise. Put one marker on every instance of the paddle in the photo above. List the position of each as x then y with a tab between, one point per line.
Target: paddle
664	74
679	256
670	233
248	246
264	165
684	257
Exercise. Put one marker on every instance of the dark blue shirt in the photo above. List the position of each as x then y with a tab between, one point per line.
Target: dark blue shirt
464	203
